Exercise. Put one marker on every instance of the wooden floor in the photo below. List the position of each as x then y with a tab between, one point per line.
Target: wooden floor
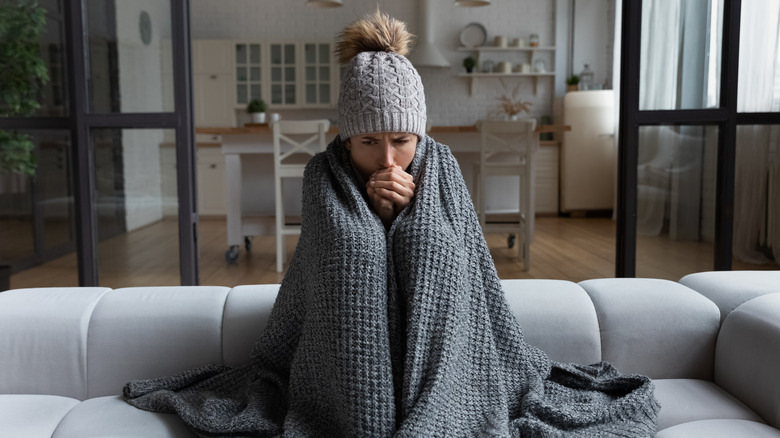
572	249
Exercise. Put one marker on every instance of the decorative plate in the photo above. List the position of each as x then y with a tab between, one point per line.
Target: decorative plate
473	35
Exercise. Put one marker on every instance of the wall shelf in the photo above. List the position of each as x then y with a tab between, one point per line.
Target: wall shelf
530	53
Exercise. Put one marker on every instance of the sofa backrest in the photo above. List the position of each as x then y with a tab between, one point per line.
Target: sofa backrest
87	342
655	327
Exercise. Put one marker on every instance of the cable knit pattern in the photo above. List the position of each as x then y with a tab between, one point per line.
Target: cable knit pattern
381	92
402	333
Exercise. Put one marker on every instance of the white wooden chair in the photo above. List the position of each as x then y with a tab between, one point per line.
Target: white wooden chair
508	148
295	142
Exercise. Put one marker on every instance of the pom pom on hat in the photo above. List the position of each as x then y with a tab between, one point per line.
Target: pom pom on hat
375	32
380	89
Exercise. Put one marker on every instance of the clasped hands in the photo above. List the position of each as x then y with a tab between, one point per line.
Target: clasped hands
389	190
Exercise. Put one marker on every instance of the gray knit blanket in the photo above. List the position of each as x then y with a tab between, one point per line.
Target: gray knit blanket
402	332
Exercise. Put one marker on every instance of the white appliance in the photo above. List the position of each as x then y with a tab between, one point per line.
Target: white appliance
588	153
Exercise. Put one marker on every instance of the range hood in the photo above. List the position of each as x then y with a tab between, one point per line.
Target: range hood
425	53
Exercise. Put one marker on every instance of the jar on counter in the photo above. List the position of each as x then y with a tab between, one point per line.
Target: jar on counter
533	40
586	78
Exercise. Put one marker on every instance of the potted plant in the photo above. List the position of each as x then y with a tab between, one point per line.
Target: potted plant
572	83
21	80
21	23
256	109
469	63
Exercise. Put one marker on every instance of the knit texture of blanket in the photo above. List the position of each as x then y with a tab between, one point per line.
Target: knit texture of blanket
402	332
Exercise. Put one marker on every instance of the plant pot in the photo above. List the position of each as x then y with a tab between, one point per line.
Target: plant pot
469	69
5	277
258	117
571	87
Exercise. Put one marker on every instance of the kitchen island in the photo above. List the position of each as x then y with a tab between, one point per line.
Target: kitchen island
248	175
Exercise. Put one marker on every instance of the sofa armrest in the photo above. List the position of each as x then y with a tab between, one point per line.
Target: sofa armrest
747	357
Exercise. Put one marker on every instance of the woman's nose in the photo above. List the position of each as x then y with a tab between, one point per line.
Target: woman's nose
387	158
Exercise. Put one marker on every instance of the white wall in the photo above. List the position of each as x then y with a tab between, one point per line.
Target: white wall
594	31
448	99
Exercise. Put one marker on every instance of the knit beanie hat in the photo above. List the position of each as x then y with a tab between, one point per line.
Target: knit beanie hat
380	89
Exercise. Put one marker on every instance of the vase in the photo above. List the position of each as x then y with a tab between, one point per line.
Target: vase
258	117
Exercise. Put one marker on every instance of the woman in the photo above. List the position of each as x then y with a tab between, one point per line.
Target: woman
391	320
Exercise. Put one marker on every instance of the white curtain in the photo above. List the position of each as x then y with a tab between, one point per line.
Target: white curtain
757	183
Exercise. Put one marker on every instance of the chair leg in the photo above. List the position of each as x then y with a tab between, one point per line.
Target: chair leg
279	224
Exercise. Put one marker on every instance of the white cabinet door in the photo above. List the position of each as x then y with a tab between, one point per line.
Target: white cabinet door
211	182
212	56
213	90
213	94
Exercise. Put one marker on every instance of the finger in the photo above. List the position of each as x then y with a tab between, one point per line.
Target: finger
394	197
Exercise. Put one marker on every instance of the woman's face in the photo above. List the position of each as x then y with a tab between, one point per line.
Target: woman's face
380	150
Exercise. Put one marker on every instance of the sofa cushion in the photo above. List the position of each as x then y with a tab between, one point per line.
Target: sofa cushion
557	317
748	356
112	417
720	429
247	310
43	336
146	332
729	289
658	328
684	400
32	416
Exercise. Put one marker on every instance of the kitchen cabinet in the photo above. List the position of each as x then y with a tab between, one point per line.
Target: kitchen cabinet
212	81
539	59
211	182
227	74
210	168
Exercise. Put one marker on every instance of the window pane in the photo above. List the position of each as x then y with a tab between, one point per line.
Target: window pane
241	73
241	93
676	178
680	54
130	65
276	74
255	74
254	53
37	222
756	243
137	203
311	93
289	54
324	53
276	54
255	92
324	93
311	74
44	97
276	93
758	89
289	94
310	53
325	73
241	53
289	74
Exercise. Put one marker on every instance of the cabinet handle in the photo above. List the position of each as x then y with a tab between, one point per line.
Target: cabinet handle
213	76
213	166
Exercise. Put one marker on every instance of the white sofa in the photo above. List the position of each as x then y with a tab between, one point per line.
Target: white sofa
65	353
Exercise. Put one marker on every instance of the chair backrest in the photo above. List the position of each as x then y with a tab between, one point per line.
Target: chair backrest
293	137
499	137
